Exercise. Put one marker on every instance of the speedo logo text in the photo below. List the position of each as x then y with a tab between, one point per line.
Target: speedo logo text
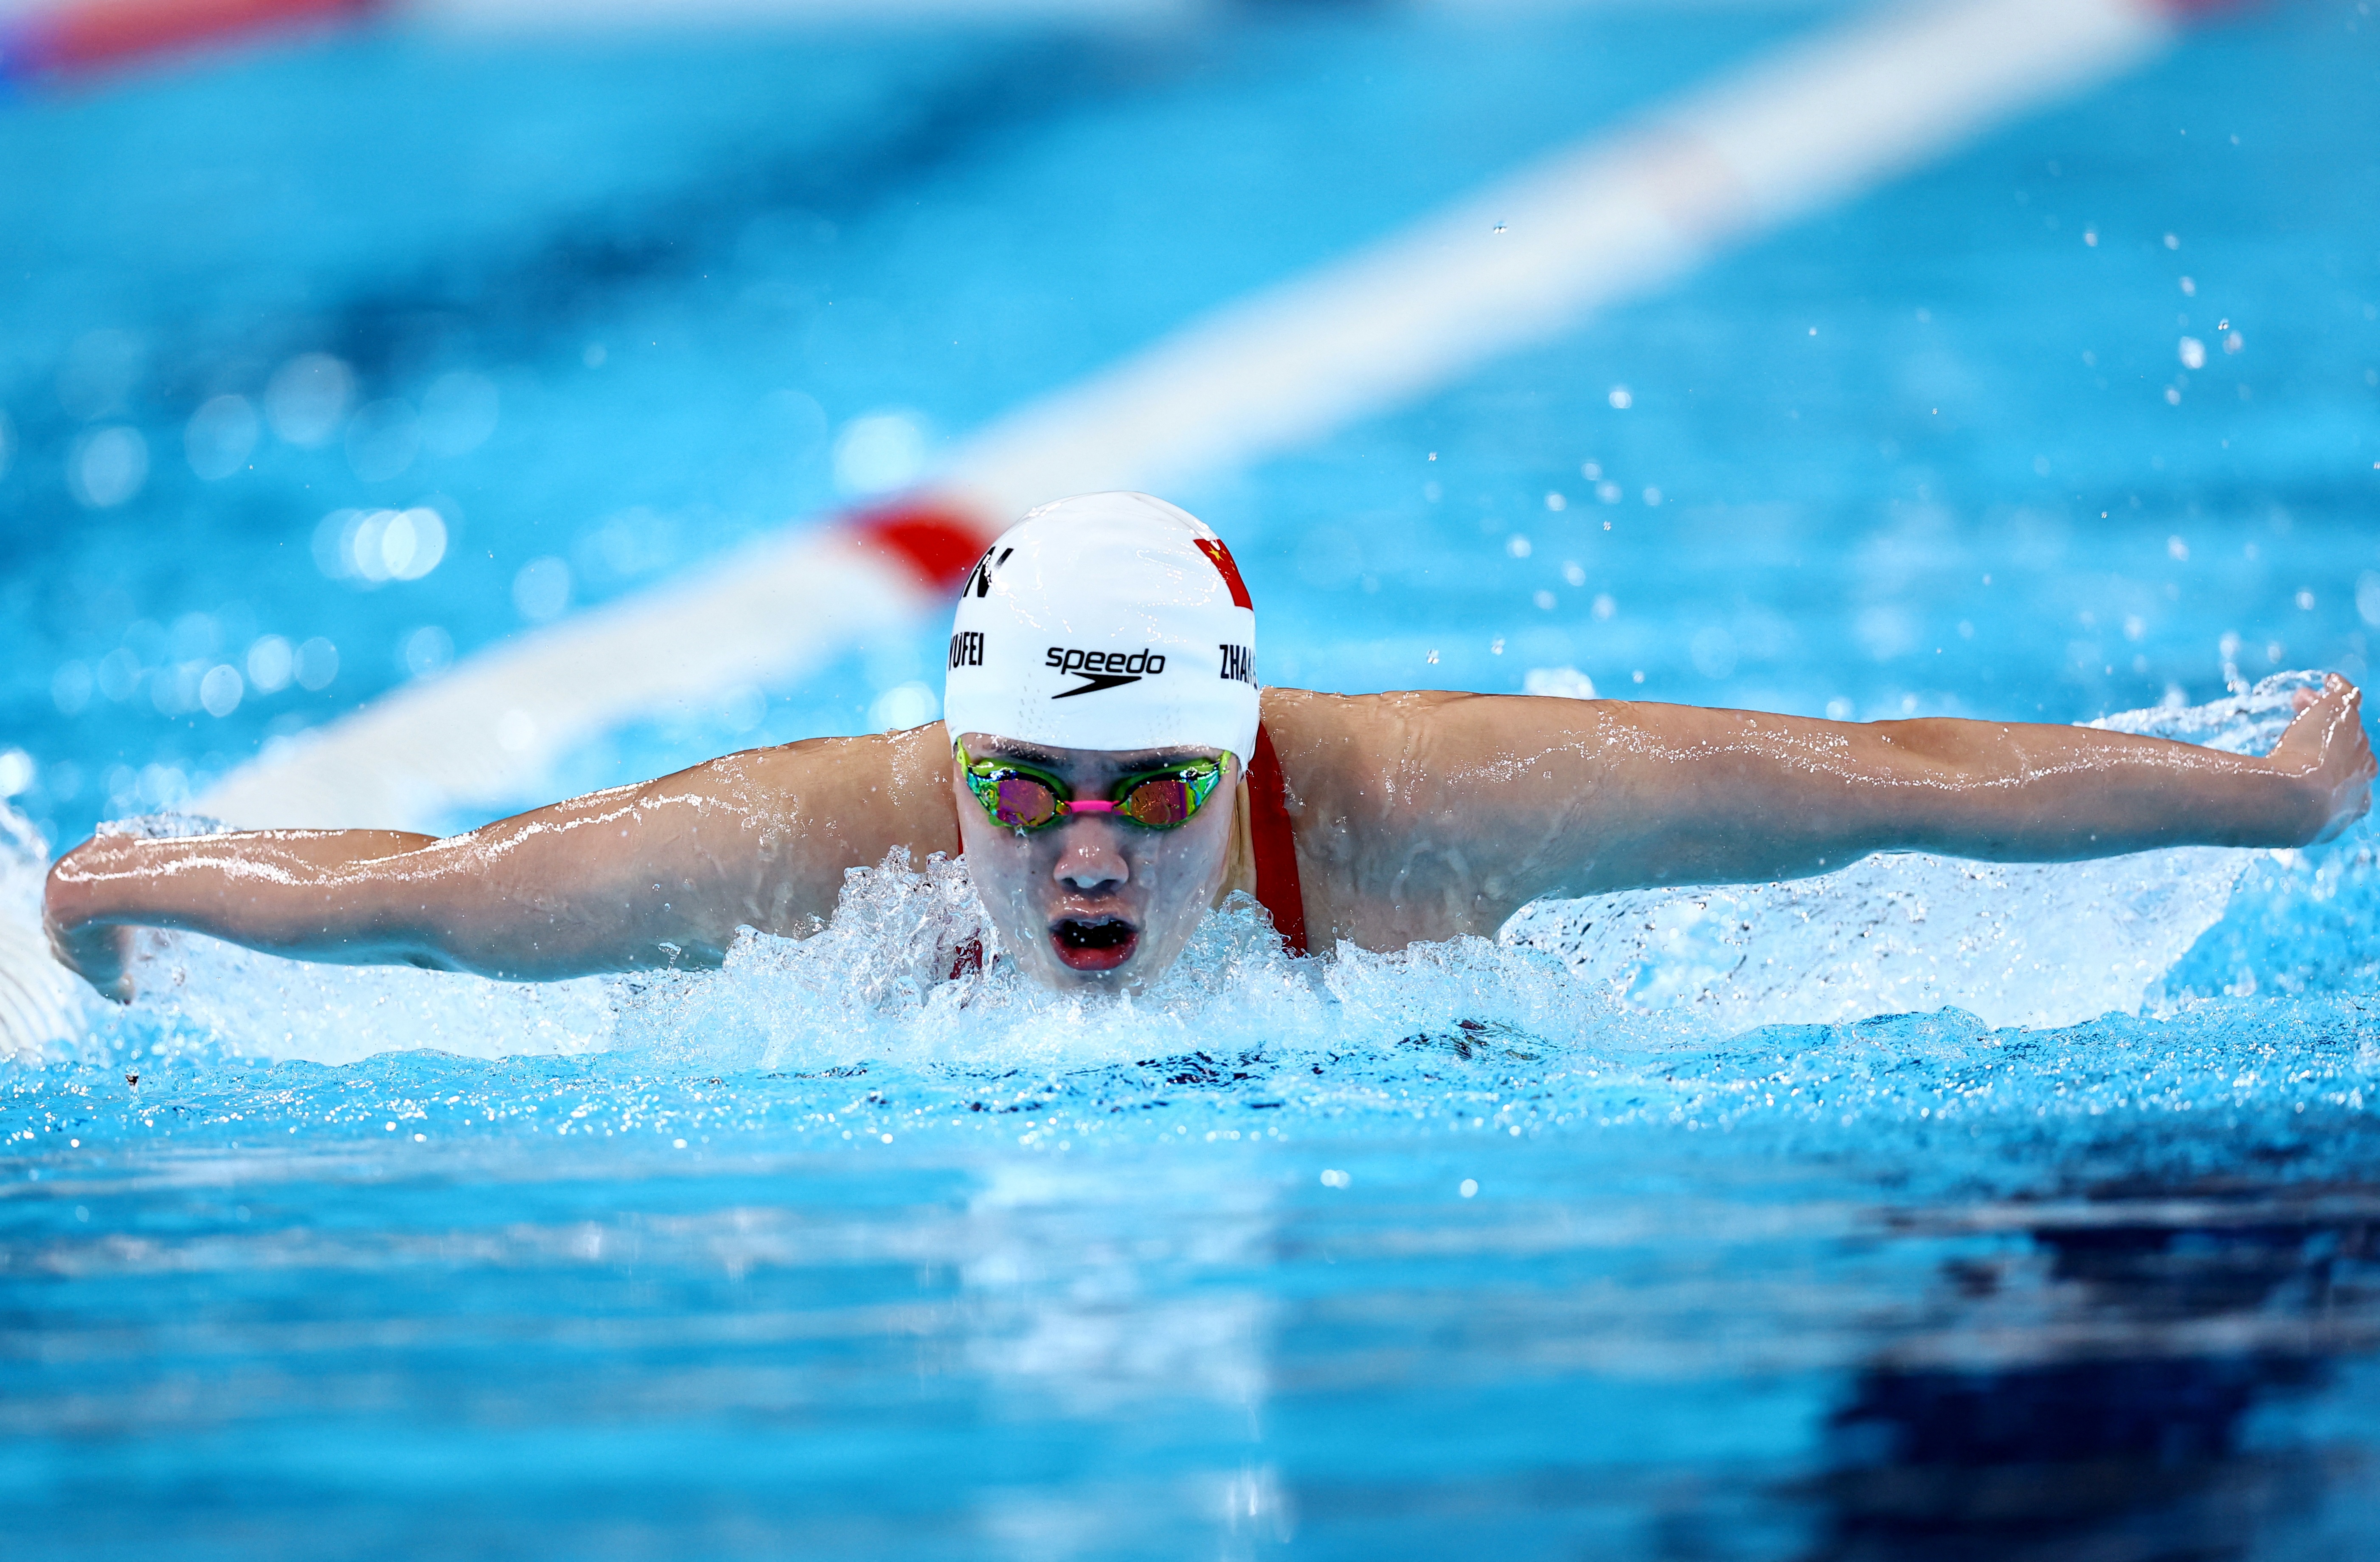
1102	670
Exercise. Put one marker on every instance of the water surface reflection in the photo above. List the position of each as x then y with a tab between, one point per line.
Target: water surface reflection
2096	1393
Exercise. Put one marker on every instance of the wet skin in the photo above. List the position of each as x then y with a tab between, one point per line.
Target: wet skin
1417	816
1095	900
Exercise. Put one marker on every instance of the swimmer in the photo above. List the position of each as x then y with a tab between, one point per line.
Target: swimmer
1110	769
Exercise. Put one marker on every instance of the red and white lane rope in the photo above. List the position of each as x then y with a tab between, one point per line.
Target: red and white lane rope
65	40
72	39
1812	123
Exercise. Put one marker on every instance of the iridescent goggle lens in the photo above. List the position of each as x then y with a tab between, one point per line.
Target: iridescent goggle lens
1020	801
1019	797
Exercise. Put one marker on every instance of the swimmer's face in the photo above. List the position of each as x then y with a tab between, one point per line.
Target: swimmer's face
1095	900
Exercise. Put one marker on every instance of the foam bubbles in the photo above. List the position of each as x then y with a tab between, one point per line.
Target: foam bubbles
218	1001
42	1007
2030	944
908	970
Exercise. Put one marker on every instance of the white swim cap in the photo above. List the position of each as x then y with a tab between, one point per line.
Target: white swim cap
1110	621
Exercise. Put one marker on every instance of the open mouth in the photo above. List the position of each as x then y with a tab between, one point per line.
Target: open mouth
1094	943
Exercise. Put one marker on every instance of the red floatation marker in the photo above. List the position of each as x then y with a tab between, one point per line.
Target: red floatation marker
92	34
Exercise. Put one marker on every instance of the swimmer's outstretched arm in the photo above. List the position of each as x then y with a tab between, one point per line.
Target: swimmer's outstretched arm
1446	812
656	875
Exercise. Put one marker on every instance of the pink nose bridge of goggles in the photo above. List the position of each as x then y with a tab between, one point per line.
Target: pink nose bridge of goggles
1091	806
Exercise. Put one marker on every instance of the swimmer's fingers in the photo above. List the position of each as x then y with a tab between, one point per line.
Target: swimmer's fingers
2301	698
2321	717
99	953
2326	744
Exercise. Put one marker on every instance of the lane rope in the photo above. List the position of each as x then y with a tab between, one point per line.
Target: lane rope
89	36
1812	123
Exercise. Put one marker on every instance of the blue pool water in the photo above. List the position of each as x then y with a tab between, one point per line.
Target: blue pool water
1460	1252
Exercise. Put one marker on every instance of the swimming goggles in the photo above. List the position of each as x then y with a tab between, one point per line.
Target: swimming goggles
1019	797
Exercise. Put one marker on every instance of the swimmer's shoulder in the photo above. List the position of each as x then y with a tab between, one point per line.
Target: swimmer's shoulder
1311	710
1334	744
886	777
1312	728
1346	759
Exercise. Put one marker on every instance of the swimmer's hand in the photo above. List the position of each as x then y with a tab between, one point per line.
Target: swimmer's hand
96	951
100	953
2325	747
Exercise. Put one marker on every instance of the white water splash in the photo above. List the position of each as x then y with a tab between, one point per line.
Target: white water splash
2032	944
41	1005
2023	944
875	984
197	994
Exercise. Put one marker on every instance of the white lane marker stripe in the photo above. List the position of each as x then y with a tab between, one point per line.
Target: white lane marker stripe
1814	123
481	735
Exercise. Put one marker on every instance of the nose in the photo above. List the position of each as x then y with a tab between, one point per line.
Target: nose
1090	860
